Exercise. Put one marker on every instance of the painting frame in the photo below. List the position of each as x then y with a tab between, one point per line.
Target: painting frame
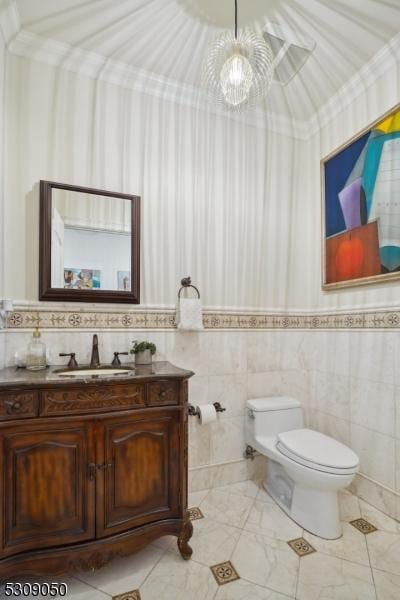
357	281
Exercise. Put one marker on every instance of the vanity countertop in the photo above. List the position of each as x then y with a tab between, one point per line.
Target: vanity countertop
15	377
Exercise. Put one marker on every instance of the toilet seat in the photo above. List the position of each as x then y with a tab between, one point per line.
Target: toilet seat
317	451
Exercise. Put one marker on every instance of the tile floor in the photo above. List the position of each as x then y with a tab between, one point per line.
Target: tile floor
244	528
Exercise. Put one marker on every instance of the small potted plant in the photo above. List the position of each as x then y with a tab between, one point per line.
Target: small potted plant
143	352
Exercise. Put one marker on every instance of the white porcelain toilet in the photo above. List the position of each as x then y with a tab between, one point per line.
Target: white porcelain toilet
305	468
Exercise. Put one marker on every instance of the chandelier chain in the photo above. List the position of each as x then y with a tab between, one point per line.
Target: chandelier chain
236	19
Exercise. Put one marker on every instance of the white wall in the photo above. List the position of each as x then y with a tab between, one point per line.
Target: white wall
214	202
2	116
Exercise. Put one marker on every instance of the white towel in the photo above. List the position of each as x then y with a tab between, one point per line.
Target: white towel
189	314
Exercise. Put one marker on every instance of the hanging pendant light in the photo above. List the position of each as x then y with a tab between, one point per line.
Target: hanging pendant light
238	69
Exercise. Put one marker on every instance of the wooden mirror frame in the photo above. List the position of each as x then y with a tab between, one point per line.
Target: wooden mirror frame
46	291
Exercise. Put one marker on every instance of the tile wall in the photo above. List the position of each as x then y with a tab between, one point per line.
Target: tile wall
348	382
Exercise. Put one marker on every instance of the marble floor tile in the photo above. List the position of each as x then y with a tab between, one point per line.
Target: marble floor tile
177	579
213	542
244	590
247	488
270	520
349	506
378	518
387	585
327	577
244	525
124	574
263	496
384	551
78	590
195	498
167	542
231	509
351	546
267	562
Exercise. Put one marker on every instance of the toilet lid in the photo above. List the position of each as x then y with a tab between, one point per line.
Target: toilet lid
317	448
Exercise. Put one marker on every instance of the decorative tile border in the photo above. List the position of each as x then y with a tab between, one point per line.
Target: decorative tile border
301	547
224	573
363	526
131	320
134	595
195	513
69	319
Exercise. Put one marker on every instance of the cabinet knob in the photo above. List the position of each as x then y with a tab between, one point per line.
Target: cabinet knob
14	406
163	393
92	467
91	471
105	466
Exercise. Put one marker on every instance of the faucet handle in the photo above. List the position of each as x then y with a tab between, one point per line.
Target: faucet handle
116	362
72	364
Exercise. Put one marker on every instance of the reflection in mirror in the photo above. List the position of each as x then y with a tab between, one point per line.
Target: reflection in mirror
90	241
89	247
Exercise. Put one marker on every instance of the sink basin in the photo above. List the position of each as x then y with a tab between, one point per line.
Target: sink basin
101	372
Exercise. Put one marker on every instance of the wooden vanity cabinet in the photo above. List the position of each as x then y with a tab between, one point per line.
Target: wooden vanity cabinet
79	487
48	497
140	481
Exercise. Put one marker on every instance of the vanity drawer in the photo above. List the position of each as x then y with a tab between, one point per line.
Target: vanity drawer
161	393
84	400
18	405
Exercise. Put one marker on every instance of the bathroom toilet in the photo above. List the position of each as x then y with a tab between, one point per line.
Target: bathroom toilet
306	469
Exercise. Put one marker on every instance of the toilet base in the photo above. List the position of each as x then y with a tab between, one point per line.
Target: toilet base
313	509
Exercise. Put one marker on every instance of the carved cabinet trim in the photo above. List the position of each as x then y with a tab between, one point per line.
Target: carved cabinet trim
18	405
115	397
163	393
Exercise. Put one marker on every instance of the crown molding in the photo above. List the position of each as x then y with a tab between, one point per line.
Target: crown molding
91	64
9	20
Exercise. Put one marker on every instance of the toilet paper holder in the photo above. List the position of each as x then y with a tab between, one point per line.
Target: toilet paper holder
195	413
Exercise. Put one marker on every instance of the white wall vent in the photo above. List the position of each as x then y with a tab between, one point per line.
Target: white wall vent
290	49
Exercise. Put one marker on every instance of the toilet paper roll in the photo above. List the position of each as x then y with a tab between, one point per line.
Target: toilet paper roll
207	413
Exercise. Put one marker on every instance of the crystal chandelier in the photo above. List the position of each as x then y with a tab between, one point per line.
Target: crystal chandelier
238	69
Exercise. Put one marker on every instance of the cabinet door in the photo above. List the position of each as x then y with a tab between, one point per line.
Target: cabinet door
141	481
49	497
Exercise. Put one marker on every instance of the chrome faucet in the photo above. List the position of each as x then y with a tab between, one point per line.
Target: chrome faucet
95	360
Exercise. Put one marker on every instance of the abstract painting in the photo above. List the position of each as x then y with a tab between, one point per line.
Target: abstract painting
82	279
361	207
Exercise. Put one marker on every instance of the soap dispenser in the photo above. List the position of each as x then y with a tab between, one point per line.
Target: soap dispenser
36	353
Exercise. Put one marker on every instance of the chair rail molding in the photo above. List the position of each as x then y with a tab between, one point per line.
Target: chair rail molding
151	318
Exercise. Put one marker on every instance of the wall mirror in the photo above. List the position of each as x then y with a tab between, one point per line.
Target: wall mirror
89	245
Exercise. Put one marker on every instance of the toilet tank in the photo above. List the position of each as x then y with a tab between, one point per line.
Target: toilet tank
269	416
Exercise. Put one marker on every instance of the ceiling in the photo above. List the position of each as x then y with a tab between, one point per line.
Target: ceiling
169	38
